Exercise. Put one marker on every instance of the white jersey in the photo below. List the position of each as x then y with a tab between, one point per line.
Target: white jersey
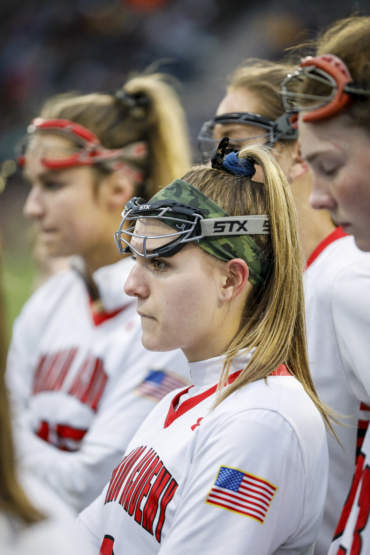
338	328
82	382
57	534
352	536
247	477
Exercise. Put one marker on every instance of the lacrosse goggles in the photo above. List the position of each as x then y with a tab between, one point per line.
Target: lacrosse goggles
86	151
268	132
192	217
328	85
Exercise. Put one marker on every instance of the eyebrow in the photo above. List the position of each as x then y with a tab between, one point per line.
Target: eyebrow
47	174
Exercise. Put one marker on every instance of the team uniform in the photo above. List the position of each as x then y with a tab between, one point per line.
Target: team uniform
247	477
352	535
338	323
82	382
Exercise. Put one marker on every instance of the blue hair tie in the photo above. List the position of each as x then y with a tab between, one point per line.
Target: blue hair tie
238	166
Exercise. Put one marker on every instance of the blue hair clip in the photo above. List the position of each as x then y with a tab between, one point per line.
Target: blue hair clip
238	166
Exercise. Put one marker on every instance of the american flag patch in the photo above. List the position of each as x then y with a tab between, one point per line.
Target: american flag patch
158	383
242	493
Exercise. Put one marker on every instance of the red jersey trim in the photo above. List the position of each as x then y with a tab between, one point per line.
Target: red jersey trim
194	401
99	317
333	236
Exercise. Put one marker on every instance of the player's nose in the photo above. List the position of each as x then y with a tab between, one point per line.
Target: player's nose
321	197
34	206
136	284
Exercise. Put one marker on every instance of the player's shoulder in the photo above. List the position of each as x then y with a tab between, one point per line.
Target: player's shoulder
338	255
53	291
280	399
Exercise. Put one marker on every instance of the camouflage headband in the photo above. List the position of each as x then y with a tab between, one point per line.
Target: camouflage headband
225	247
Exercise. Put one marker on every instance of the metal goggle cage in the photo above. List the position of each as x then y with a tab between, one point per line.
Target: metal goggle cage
185	218
273	131
321	86
87	152
190	222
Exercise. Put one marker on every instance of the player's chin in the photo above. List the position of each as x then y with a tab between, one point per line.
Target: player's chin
156	342
362	240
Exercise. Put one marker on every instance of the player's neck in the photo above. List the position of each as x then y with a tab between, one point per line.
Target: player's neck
313	225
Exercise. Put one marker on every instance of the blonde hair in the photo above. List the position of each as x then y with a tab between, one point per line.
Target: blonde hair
263	78
349	39
148	110
273	322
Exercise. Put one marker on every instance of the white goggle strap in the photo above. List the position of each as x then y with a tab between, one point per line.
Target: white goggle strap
235	225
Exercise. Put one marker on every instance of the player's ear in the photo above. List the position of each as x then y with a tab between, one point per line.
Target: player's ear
298	167
118	190
235	279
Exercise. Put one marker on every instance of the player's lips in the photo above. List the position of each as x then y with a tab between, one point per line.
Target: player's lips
144	315
343	225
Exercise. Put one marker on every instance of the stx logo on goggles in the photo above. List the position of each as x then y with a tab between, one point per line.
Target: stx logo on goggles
251	225
219	227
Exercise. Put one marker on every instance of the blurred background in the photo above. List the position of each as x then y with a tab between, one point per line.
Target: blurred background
49	47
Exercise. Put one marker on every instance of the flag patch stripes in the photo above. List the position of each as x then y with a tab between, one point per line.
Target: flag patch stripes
158	383
242	493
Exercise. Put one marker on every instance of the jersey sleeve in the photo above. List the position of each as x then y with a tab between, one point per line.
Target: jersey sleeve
78	477
351	317
251	489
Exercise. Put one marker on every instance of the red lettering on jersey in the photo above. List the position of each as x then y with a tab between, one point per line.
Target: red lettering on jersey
151	505
137	471
120	473
52	370
107	546
342	551
127	490
167	497
89	384
363	515
61	436
144	492
350	499
140	482
135	482
43	431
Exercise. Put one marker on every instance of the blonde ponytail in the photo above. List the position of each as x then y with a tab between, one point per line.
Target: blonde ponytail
146	109
273	323
167	131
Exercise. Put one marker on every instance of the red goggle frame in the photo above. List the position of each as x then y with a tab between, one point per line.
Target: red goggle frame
91	150
333	73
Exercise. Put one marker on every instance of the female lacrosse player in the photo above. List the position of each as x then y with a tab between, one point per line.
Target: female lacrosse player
333	102
238	462
331	259
82	381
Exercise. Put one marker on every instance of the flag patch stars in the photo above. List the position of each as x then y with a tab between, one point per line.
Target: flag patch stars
158	383
242	493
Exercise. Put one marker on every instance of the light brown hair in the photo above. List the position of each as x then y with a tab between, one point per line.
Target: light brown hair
263	78
157	118
349	39
273	322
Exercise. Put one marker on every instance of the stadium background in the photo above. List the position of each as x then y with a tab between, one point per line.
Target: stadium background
55	46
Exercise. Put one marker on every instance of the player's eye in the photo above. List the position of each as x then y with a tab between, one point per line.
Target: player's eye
158	265
52	185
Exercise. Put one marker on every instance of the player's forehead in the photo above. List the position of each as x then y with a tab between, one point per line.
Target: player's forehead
155	230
